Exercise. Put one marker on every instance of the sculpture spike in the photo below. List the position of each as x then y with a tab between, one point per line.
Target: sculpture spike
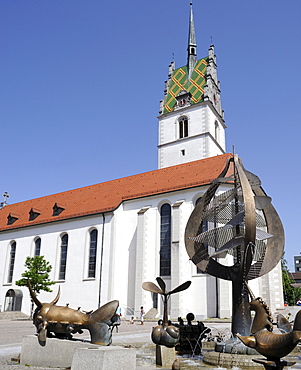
57	297
33	296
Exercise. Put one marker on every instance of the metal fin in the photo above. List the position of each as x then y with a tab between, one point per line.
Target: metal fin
161	283
233	243
262	201
105	312
151	287
181	287
42	337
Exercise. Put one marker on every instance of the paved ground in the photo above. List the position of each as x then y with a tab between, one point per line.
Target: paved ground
136	335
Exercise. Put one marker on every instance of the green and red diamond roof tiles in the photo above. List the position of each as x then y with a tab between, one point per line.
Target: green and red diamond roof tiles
180	82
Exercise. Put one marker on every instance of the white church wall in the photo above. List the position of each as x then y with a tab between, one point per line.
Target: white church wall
75	289
270	288
130	256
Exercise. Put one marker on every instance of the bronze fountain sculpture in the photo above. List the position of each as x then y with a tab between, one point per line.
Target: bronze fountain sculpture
245	225
269	344
165	333
65	321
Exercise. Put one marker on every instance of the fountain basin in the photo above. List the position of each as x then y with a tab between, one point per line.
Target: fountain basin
229	360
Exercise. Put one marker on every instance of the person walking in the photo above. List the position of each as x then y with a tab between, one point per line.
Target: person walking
142	313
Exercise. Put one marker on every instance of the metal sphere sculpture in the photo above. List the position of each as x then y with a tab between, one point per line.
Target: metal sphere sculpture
242	222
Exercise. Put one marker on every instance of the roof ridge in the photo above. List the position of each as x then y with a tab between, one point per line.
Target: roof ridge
108	195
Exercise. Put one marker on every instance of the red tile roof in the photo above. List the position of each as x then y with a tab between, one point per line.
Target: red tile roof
107	196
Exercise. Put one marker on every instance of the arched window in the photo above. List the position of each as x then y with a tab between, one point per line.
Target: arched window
165	240
92	253
63	257
216	132
37	247
183	127
11	262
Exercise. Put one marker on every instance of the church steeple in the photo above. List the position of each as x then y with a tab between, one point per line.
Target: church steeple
192	58
191	121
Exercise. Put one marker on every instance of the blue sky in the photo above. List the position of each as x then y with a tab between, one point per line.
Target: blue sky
81	82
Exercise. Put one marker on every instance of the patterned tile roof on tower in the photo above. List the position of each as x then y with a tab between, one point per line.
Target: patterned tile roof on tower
179	81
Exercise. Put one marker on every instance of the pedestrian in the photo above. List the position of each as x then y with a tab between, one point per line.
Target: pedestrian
132	320
142	313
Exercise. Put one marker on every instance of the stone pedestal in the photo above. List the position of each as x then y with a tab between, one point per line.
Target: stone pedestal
56	352
165	356
104	358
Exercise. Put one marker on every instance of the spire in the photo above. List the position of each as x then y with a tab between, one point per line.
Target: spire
192	58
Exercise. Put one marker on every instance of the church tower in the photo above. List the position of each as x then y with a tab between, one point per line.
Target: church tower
191	120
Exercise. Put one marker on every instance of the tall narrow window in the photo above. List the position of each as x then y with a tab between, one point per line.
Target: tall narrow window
216	136
165	240
183	127
63	259
204	228
92	253
37	247
11	262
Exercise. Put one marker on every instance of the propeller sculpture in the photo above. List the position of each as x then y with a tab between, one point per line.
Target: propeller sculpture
165	334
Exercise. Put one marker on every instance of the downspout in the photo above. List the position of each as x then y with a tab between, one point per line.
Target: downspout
216	279
101	257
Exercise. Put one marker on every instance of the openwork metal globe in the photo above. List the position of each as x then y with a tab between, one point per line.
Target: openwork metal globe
240	222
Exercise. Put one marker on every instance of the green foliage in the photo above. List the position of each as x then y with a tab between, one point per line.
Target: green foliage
37	272
290	294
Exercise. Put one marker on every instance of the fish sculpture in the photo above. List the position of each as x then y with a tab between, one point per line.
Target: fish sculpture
64	321
271	345
165	333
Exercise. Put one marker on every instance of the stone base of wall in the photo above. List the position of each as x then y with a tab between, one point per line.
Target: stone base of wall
104	358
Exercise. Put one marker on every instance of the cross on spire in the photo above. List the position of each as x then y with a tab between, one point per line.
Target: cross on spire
5	196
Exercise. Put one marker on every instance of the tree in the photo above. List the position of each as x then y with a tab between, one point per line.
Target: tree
290	293
37	273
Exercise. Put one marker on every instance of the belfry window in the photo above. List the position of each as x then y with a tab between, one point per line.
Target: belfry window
63	257
92	253
11	262
165	240
183	128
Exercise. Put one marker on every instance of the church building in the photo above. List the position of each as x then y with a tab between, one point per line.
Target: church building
103	241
